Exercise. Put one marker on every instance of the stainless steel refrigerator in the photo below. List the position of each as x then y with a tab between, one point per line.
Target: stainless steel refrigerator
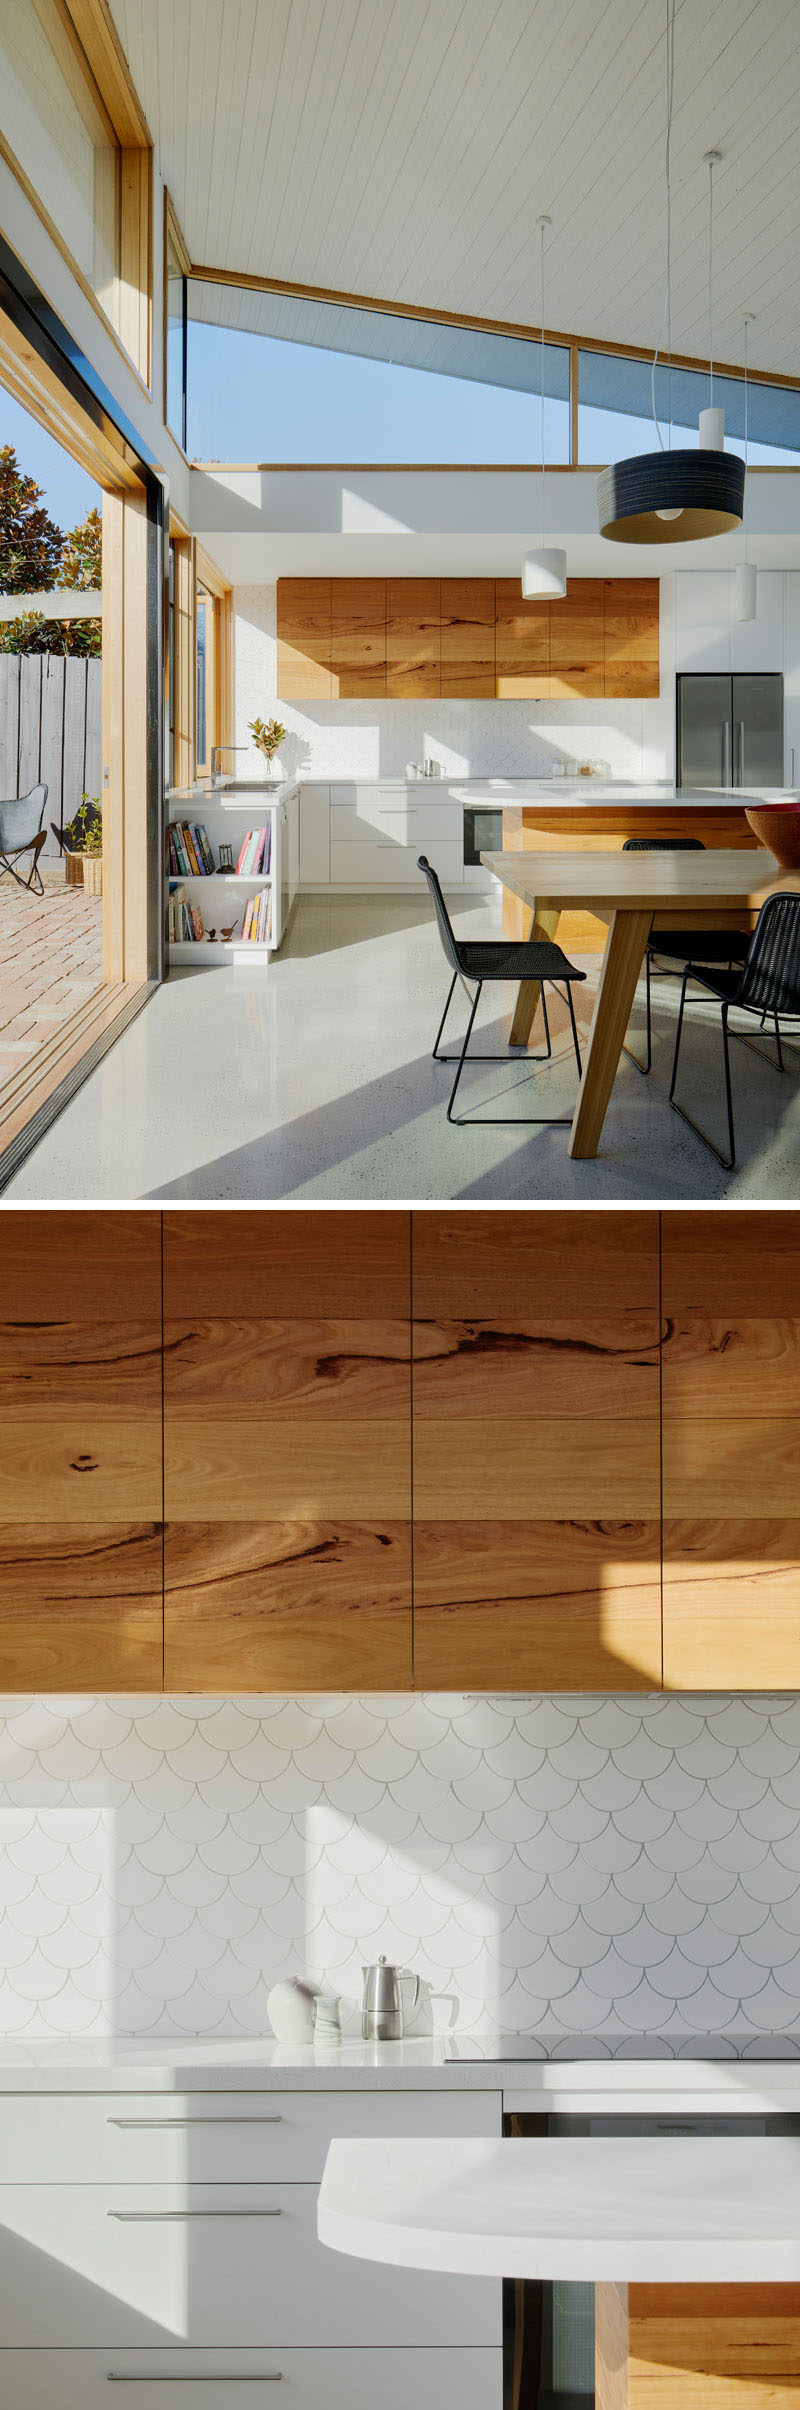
730	730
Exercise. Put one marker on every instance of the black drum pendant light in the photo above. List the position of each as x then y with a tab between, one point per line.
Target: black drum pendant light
669	497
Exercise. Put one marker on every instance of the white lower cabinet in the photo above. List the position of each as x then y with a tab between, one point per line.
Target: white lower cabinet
184	2262
310	2380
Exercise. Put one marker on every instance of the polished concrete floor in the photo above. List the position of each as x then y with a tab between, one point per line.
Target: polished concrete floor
312	1079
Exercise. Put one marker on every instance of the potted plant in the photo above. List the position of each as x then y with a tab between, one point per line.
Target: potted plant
83	846
267	735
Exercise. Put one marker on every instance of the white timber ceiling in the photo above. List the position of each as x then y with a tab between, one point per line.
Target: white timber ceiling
402	149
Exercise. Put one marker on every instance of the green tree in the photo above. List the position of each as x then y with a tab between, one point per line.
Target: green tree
79	567
81	561
30	544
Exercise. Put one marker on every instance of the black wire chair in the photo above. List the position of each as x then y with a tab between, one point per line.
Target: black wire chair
494	958
22	831
714	945
767	983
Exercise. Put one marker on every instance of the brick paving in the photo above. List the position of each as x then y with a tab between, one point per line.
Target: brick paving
51	960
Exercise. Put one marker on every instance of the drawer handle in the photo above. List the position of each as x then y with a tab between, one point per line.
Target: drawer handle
158	2125
172	2217
258	2376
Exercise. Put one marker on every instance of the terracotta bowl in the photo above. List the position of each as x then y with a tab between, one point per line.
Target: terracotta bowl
777	825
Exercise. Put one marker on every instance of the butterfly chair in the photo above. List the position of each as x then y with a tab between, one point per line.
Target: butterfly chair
487	959
711	945
767	983
22	832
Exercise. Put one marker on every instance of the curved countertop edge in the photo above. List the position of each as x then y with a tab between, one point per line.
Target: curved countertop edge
665	2211
577	2087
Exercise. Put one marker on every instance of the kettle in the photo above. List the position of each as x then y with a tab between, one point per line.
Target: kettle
382	2005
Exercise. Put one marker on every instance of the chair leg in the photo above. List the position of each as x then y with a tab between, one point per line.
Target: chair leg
548	1047
628	1050
728	1160
463	1054
574	1030
437	1057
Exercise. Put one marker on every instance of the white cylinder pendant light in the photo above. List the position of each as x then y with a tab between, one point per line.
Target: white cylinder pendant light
746	574
544	573
712	430
746	591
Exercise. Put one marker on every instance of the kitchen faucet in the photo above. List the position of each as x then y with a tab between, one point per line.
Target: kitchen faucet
216	750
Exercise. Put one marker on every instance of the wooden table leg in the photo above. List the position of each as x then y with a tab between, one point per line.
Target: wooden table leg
543	929
622	962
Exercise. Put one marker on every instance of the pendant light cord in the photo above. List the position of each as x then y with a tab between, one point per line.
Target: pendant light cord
541	231
747	318
666	321
711	167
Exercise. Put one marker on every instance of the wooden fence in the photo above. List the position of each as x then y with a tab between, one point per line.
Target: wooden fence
50	727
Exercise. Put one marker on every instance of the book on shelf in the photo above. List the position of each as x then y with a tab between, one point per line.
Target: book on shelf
190	854
256	919
254	853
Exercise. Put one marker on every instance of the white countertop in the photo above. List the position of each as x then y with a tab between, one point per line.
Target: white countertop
586	2087
673	2210
494	790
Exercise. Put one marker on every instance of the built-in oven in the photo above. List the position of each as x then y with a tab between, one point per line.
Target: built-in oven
483	833
548	2329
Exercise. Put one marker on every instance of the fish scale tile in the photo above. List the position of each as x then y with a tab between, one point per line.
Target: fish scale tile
625	1870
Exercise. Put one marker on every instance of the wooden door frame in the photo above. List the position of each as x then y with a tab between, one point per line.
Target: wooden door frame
42	366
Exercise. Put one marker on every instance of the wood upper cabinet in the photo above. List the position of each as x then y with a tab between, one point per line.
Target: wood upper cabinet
305	639
577	639
522	643
731	1404
536	1451
287	1406
80	1451
413	635
358	635
697	2346
468	639
631	622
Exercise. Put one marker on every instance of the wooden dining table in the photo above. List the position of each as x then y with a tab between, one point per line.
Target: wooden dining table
635	894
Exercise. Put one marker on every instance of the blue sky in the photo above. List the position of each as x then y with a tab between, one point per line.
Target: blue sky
68	492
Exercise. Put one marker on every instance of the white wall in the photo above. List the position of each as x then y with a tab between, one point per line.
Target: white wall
627	1869
374	739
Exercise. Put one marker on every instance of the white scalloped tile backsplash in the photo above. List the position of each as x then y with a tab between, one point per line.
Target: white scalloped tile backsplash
623	1869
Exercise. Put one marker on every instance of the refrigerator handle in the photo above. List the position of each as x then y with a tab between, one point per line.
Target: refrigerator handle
739	770
726	753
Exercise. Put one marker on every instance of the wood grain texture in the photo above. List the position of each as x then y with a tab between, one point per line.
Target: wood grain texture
585	1613
732	1367
316	1369
482	1264
732	1263
295	1606
467	636
413	636
305	639
347	1468
79	1266
535	1463
522	643
81	1606
619	976
112	1367
631	636
577	639
728	1468
732	1602
296	1266
738	2331
358	636
611	2346
583	1368
91	1464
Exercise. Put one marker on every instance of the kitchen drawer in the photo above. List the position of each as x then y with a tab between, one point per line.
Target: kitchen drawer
357	814
212	2137
378	862
192	2380
220	2265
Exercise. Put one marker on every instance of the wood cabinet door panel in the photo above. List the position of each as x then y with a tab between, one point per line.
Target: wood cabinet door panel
549	1605
631	636
731	1453
413	636
305	639
522	643
536	1450
287	1421
295	1266
577	639
81	1593
737	2331
293	1605
468	636
81	1606
359	636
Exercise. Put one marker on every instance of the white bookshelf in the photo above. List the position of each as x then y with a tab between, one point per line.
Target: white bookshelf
226	813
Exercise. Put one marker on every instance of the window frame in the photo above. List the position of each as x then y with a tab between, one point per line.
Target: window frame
101	64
